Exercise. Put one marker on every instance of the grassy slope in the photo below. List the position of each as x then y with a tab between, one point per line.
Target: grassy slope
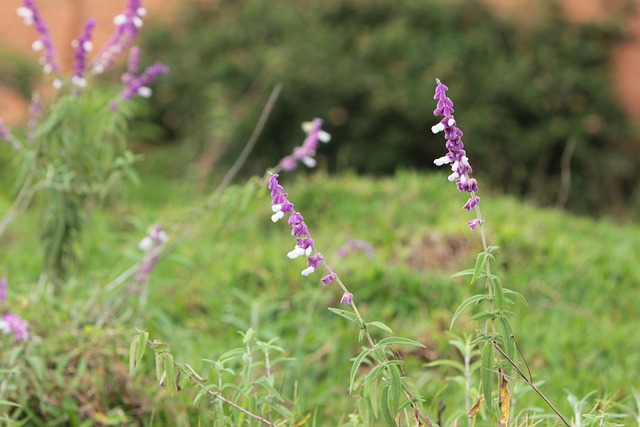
231	272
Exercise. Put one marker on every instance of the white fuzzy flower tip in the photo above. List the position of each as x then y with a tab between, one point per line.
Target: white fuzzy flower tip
79	81
308	251
146	243
307	126
451	122
4	326
144	91
137	22
442	161
307	271
296	252
57	83
309	162
276	208
87	46
453	176
141	11
120	20
277	216
437	128
324	136
37	45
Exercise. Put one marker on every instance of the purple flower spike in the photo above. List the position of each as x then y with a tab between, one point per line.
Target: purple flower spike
29	13
456	156
304	244
306	152
347	298
82	45
128	25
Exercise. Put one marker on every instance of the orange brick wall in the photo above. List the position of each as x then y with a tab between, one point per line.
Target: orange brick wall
66	19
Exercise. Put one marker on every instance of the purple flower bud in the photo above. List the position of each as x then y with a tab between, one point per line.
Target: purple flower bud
347	298
472	203
329	278
474	223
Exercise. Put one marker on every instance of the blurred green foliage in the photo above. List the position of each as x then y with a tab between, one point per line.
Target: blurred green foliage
231	273
524	95
18	73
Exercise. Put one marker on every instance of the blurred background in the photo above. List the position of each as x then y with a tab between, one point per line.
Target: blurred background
547	92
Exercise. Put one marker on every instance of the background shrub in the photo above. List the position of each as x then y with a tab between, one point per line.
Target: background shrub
525	96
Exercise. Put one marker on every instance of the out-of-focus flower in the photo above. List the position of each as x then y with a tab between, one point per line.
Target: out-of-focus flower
356	245
128	25
306	152
29	13
82	45
151	242
11	323
138	85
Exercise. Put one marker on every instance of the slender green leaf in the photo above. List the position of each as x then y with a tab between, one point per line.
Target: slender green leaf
399	341
142	346
384	405
498	292
381	326
486	372
346	314
507	338
395	391
487	315
516	294
481	260
356	365
133	350
468	272
474	299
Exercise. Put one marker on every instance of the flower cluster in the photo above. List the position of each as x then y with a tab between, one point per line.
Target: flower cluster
9	322
137	84
29	13
82	46
306	152
149	245
128	25
456	157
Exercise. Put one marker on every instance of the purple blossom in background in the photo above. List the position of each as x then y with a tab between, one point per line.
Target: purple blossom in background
456	156
6	135
306	152
138	85
304	244
82	45
356	245
29	13
128	25
3	290
149	245
9	322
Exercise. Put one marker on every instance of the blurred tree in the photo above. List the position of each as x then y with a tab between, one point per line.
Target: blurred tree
527	98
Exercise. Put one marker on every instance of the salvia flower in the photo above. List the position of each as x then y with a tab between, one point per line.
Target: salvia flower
304	243
128	25
29	13
356	245
7	136
82	46
347	298
456	156
11	323
306	152
138	85
149	245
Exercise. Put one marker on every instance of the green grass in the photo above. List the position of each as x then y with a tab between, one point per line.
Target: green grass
229	272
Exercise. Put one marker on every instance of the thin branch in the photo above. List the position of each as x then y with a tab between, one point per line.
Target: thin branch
530	383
